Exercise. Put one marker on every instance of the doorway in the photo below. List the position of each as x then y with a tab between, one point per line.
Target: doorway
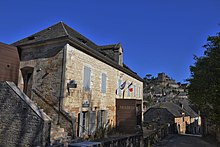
27	74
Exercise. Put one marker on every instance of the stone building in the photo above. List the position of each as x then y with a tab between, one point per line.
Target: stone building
170	114
74	80
9	63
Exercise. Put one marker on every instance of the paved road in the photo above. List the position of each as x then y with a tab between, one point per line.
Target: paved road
186	141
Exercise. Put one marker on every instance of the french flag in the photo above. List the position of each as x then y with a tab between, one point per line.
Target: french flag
130	88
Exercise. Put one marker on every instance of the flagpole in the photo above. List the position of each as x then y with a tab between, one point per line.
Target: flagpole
123	94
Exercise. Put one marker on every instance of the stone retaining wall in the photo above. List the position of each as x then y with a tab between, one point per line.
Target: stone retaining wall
22	123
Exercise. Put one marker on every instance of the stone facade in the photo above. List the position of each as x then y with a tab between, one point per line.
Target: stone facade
76	60
46	82
22	123
48	67
182	123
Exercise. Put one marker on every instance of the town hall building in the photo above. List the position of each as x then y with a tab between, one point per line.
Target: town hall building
76	82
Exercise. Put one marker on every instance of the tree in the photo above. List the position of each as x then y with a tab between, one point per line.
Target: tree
204	88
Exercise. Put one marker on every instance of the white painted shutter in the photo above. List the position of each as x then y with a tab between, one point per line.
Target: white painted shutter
119	85
134	90
86	80
92	120
103	87
106	119
80	124
99	118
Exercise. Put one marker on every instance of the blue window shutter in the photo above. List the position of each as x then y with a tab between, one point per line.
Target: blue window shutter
103	86
86	80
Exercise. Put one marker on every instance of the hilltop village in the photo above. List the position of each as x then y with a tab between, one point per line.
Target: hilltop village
58	88
166	101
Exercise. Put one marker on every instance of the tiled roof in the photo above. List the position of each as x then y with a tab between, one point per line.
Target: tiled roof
172	108
61	30
56	31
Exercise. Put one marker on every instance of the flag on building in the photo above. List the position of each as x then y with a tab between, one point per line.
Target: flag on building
122	86
130	88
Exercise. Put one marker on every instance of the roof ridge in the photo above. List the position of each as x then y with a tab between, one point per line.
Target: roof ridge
64	28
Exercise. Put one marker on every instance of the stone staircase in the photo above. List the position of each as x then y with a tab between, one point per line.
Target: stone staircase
59	136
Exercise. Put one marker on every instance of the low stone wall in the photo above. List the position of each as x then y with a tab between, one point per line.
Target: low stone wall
22	123
135	140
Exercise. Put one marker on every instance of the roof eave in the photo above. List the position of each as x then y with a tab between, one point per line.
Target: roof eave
85	49
40	42
101	57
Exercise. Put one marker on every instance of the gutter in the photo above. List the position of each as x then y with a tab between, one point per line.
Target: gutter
62	83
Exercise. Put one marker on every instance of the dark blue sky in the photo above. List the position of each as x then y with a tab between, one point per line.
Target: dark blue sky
157	35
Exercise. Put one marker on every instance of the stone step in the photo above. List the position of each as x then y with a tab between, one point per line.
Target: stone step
58	135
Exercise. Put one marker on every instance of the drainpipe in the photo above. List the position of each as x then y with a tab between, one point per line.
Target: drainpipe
62	82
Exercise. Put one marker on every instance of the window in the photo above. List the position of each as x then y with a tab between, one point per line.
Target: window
86	78
83	122
134	90
102	118
103	86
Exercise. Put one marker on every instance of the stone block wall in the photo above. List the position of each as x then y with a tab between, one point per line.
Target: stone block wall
47	86
182	122
22	123
76	60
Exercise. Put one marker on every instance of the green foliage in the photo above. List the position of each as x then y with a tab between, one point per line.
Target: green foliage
204	89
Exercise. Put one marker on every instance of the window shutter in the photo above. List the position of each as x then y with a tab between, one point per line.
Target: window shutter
106	119
92	120
80	124
119	84
99	118
86	81
134	90
104	79
139	91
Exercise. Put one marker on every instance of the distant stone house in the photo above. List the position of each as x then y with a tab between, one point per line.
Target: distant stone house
9	63
170	114
69	76
195	118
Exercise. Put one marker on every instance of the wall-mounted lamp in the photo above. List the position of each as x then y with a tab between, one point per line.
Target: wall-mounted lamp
71	84
39	69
